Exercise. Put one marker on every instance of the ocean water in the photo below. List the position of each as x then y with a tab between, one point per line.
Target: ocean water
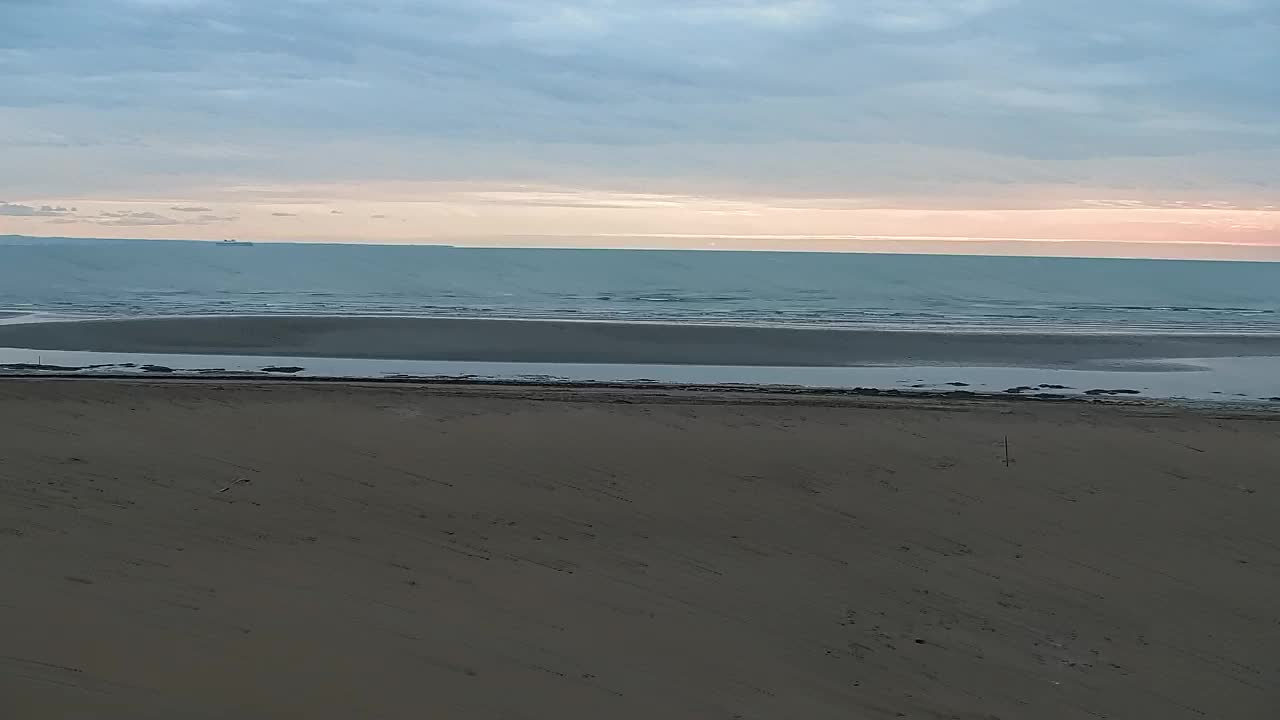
141	278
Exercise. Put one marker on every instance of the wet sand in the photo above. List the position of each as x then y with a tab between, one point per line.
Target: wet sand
630	343
220	550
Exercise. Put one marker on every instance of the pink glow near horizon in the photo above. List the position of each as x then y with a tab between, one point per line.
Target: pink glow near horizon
503	215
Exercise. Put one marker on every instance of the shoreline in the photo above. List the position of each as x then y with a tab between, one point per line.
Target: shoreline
556	390
608	342
739	393
1194	380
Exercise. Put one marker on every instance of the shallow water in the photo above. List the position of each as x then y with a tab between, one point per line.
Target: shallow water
1228	380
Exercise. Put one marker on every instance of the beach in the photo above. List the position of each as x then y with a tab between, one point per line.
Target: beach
219	549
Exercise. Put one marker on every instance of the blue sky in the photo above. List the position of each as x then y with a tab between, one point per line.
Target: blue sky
397	120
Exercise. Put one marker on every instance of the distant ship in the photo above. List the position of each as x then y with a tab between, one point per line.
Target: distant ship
235	243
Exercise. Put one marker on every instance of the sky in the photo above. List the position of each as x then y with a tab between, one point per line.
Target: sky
1097	127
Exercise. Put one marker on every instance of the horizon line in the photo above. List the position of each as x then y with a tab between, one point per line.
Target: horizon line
495	243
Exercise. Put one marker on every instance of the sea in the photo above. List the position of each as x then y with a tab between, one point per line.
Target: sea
114	278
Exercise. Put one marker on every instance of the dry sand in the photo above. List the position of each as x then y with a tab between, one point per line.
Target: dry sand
293	550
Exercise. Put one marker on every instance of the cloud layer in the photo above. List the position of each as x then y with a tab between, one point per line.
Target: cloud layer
20	210
918	103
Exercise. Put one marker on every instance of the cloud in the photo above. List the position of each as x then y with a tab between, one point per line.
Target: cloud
110	218
147	218
926	97
19	210
284	214
190	209
571	199
132	218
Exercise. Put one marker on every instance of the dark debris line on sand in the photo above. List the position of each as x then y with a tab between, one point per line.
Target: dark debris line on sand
55	368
